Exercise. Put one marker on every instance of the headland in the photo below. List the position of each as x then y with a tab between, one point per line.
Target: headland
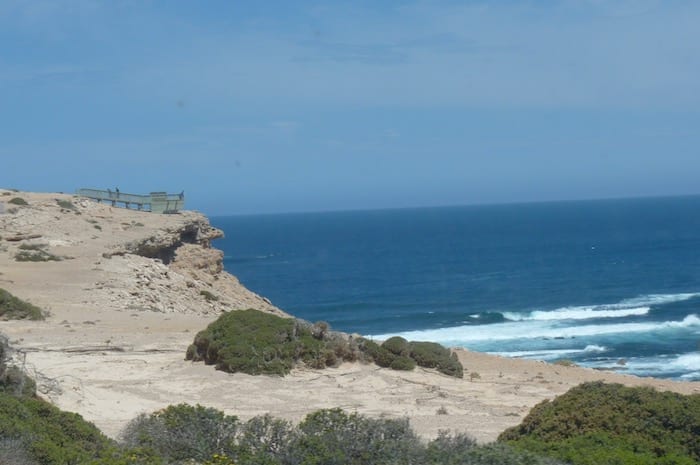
126	291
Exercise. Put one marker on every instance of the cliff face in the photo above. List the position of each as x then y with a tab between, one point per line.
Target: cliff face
115	258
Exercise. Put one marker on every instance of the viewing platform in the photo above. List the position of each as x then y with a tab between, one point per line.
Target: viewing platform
156	202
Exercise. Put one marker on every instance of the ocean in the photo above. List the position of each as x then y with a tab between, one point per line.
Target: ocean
609	284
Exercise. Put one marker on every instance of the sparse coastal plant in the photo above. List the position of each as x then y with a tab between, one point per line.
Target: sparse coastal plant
13	308
18	201
208	296
66	204
36	255
564	362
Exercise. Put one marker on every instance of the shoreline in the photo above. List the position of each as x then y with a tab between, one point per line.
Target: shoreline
114	344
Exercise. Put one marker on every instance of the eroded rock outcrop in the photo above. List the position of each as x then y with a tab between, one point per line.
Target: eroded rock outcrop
134	261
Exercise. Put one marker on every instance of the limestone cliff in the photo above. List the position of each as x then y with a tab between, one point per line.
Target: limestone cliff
125	259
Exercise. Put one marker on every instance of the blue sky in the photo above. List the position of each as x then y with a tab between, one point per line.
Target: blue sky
274	106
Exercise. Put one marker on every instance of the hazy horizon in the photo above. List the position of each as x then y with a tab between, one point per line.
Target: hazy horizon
278	107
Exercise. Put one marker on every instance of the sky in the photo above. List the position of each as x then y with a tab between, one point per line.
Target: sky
279	106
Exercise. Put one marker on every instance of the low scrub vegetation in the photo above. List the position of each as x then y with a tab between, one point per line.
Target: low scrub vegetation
400	354
13	308
325	437
208	296
65	204
253	342
18	201
598	423
35	253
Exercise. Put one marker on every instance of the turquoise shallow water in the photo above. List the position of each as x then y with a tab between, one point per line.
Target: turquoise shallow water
597	282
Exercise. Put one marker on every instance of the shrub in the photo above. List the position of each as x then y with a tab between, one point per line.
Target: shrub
403	363
18	201
67	204
264	440
433	355
36	256
12	308
181	432
609	423
254	342
49	436
377	354
397	346
335	437
208	296
564	362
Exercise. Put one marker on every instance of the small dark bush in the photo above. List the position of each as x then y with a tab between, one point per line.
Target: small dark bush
403	363
26	246
208	296
397	346
18	201
433	355
36	256
12	308
378	354
67	204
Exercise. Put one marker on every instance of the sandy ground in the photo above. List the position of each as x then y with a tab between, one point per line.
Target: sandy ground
114	343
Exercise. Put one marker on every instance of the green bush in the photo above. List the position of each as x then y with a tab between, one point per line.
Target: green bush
253	342
12	308
18	201
403	363
597	423
48	435
67	204
397	346
433	355
181	432
334	437
184	434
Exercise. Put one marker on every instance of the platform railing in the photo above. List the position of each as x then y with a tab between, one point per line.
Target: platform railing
157	202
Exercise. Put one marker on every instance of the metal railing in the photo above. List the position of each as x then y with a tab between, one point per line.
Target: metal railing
157	202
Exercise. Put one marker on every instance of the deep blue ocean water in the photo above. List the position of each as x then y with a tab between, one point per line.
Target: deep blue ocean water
612	284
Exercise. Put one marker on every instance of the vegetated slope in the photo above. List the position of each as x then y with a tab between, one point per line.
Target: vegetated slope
256	343
33	431
597	423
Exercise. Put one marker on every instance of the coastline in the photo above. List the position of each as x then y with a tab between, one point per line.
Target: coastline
114	344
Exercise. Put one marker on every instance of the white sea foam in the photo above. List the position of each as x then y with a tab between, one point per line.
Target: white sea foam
551	354
636	306
658	299
663	366
464	335
576	313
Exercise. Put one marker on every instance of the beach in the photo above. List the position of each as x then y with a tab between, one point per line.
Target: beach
120	321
